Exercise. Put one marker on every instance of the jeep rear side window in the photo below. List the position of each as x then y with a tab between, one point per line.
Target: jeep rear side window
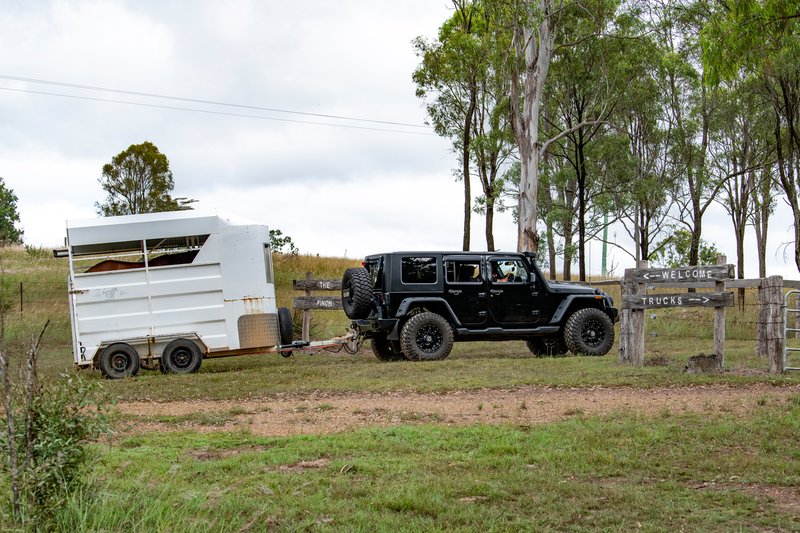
463	271
418	270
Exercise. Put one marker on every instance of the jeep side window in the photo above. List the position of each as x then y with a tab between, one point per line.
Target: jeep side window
463	272
418	270
508	271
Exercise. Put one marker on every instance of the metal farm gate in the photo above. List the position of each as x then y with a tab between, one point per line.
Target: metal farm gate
791	309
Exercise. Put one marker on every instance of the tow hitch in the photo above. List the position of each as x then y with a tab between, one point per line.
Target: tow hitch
350	343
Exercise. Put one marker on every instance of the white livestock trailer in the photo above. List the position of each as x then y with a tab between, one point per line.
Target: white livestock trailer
171	287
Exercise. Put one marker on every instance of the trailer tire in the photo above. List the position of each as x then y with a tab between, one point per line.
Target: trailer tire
181	356
118	361
285	328
285	325
356	293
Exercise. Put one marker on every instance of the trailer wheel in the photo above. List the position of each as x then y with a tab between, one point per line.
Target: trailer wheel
118	361
356	293
285	325
286	328
181	356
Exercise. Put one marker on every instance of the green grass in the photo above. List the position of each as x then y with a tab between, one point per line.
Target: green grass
694	473
471	366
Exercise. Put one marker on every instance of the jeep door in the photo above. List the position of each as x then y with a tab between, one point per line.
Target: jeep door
511	293
465	288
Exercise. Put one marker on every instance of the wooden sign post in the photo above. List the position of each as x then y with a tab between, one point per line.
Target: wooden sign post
635	300
309	302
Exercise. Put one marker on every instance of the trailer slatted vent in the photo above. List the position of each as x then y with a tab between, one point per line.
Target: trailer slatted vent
258	330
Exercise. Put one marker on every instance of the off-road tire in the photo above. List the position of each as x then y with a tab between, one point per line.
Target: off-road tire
181	356
356	293
549	346
386	350
118	361
426	337
589	332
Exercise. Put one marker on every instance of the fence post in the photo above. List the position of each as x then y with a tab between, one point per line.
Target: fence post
631	324
307	312
20	297
719	318
770	330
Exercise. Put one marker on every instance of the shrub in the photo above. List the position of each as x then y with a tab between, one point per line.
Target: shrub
46	430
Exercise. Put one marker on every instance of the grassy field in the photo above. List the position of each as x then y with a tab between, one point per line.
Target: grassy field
685	473
715	472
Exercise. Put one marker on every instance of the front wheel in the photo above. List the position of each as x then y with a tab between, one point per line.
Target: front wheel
426	337
181	356
118	361
589	332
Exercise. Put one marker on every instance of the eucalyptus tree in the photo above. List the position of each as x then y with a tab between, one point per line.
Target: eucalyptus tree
690	105
447	79
589	75
762	37
741	149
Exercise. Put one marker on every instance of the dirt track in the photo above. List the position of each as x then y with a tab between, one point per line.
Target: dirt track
331	412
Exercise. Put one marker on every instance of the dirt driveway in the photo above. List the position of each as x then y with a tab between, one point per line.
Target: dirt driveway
334	412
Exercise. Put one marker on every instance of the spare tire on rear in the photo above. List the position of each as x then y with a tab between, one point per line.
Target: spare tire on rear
356	293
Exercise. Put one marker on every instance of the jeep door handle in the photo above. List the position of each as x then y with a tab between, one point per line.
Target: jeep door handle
455	292
496	292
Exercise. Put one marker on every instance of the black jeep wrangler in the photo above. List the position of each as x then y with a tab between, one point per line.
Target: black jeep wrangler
415	305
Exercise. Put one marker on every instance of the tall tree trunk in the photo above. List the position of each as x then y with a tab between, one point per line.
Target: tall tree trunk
489	225
535	48
465	162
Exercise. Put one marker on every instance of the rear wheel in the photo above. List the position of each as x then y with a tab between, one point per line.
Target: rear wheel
426	337
552	346
386	350
589	332
356	293
181	356
118	361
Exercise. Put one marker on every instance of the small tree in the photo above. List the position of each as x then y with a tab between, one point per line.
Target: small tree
281	243
138	180
675	251
9	217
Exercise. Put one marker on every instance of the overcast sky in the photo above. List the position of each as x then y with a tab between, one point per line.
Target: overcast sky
335	186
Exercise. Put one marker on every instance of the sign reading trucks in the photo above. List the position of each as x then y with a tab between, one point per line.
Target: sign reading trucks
697	299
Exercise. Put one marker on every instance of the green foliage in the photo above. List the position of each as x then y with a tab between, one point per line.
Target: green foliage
138	180
9	217
675	252
64	417
281	243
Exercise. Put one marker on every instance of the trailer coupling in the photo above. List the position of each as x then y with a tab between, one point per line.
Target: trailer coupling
350	343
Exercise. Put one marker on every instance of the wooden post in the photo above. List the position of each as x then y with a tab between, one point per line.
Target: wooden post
20	297
719	318
774	326
631	324
307	312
